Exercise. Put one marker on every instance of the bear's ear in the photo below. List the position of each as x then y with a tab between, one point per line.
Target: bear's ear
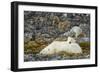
68	38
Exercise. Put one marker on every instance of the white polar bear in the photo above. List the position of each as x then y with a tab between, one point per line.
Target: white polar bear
69	46
77	30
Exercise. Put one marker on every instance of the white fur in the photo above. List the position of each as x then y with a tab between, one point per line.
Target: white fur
55	47
77	30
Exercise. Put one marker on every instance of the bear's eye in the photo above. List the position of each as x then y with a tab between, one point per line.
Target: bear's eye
69	42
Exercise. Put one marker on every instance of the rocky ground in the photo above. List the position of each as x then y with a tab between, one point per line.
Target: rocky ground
42	28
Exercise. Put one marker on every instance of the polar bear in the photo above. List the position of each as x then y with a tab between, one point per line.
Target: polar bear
77	30
69	46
